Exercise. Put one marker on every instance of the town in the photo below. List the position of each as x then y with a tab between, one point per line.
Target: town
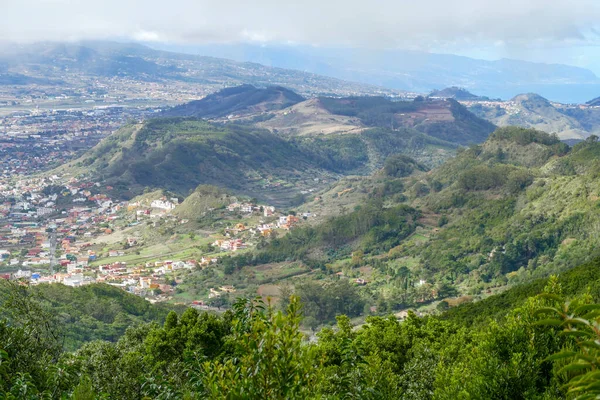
59	230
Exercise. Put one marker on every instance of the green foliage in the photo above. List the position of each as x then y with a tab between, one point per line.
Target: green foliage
484	177
579	362
257	352
524	136
325	302
399	166
86	313
269	360
374	228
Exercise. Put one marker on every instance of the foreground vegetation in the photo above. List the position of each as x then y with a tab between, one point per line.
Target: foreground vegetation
517	351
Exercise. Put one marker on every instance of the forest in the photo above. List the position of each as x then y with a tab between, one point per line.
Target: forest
537	341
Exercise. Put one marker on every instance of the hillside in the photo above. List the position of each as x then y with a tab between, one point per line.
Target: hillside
519	206
594	102
237	101
460	353
446	119
58	65
533	111
85	314
179	154
310	118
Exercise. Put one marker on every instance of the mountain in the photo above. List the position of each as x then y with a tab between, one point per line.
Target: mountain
447	119
178	154
274	152
456	93
100	65
519	206
533	111
239	100
594	102
419	71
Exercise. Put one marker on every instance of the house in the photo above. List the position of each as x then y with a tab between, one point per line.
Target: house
247	208
163	205
288	221
227	289
268	211
233	206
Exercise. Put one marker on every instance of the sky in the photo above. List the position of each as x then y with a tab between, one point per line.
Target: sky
553	31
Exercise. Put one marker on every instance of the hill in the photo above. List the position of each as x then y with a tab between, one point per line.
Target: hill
456	93
178	154
310	118
519	206
424	358
533	111
594	102
446	119
93	312
284	112
237	101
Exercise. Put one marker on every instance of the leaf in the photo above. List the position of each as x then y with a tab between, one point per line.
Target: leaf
550	296
592	315
577	333
543	310
578	321
587	307
549	321
561	355
591	343
574	367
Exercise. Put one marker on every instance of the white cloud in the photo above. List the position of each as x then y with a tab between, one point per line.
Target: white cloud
373	23
147	36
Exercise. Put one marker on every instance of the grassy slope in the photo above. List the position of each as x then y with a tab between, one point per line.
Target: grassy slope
180	154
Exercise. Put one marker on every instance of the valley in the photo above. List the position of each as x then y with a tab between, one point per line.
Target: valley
380	213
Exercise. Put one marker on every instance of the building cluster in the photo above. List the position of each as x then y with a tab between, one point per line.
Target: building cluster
31	140
50	228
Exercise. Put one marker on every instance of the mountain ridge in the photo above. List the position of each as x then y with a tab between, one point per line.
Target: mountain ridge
422	72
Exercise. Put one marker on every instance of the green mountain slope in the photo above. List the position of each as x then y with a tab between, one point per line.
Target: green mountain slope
93	312
445	119
520	206
180	154
496	348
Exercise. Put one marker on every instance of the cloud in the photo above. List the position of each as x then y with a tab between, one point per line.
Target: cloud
373	23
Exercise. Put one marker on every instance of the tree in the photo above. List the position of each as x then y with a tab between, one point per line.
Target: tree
278	368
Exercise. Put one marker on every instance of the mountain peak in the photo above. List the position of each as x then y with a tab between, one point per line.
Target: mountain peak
455	93
241	100
530	98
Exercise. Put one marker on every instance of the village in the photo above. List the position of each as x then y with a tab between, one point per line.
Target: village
55	231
